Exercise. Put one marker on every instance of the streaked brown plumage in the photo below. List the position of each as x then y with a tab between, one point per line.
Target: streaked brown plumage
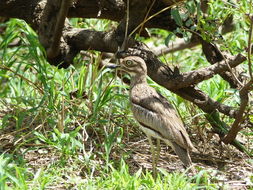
156	116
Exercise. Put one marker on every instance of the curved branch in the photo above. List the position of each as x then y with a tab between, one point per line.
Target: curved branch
164	76
197	76
53	50
244	96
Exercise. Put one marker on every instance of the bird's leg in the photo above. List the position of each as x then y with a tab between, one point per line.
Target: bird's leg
153	156
158	150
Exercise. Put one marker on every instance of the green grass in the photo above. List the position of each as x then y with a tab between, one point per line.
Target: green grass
70	175
69	128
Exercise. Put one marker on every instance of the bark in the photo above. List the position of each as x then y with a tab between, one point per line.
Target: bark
31	10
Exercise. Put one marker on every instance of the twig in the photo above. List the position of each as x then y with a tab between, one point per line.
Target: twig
229	68
24	136
153	2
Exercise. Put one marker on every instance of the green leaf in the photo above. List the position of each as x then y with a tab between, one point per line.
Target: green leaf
168	38
189	22
191	7
176	15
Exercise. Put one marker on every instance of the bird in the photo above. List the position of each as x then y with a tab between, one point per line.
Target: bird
156	116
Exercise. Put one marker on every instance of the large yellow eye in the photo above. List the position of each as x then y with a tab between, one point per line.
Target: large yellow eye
129	62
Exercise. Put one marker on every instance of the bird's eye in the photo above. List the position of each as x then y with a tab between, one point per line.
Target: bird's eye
129	62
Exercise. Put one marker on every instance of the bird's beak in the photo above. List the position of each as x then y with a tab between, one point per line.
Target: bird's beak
112	66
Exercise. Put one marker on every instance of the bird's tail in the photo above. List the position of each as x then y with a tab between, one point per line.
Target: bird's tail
183	154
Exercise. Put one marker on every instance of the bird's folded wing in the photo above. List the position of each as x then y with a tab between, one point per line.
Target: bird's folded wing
147	118
156	113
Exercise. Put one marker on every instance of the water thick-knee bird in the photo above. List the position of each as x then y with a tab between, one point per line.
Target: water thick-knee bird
156	116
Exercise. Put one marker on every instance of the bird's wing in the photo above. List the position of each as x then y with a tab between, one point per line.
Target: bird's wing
154	111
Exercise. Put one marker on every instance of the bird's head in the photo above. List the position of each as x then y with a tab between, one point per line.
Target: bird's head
133	65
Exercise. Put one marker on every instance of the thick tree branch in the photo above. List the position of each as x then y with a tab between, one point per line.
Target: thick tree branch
93	40
31	10
53	50
197	76
163	75
214	55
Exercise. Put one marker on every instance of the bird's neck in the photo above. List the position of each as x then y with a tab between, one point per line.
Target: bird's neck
138	79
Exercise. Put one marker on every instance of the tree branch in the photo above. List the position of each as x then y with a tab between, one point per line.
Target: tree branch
244	95
53	50
163	75
180	44
239	116
197	76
